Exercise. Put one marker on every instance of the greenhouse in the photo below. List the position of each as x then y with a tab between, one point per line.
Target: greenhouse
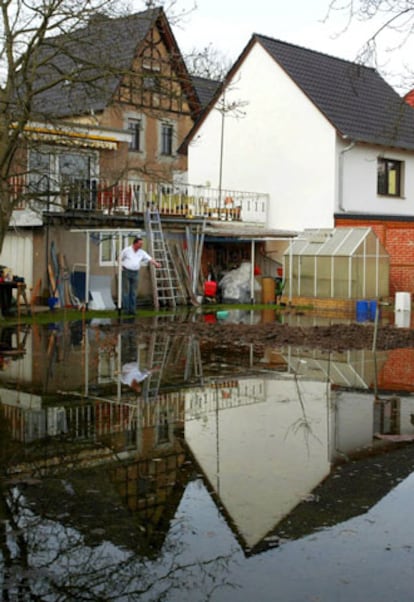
346	263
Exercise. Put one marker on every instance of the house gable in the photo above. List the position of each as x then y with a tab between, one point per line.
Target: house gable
275	140
354	98
95	60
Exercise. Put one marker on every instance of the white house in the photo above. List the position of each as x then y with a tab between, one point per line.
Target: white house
321	135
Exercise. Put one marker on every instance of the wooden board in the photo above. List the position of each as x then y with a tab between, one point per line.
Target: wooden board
53	290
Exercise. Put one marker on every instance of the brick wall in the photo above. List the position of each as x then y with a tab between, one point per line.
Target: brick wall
398	371
397	236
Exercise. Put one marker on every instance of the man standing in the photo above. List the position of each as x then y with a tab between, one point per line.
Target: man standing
132	257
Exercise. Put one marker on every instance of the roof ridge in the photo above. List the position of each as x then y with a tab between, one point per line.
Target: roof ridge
312	51
104	18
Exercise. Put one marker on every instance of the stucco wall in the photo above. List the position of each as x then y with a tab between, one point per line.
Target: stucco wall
360	182
275	142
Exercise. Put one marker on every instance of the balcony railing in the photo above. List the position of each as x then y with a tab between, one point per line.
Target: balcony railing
134	197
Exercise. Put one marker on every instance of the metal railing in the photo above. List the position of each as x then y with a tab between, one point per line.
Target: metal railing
128	197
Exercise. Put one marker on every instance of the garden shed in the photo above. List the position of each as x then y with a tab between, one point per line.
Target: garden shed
346	263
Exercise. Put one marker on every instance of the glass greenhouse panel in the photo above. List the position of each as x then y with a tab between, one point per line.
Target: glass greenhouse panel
347	263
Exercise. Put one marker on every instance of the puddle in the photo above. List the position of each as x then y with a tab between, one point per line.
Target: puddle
203	474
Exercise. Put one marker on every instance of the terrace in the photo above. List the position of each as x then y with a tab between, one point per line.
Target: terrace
132	197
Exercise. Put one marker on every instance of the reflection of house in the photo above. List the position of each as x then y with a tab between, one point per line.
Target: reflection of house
263	457
260	458
330	141
373	477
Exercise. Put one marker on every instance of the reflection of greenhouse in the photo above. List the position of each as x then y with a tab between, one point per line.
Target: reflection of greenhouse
348	263
356	369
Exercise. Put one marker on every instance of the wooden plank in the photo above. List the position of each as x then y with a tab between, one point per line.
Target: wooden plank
53	290
65	276
34	292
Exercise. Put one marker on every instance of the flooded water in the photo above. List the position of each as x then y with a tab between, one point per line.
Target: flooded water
137	466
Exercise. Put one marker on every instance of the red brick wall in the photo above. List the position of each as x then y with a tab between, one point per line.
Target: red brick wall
398	371
398	239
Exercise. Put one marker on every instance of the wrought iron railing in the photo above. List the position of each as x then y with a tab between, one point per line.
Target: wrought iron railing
128	197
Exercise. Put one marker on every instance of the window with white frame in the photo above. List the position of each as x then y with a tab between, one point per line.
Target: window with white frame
389	177
108	248
167	135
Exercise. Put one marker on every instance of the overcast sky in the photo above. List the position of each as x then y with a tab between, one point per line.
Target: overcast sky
228	25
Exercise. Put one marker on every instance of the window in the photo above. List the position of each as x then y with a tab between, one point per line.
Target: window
134	128
151	64
63	174
152	83
167	132
39	171
389	177
108	248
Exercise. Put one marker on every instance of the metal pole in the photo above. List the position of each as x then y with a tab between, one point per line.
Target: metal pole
87	275
221	149
119	299
253	259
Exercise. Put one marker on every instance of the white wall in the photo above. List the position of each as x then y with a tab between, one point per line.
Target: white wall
279	144
17	254
263	458
360	182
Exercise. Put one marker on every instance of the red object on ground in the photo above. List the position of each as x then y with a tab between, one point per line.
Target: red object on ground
210	288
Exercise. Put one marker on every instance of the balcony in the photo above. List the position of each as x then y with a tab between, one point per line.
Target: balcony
133	197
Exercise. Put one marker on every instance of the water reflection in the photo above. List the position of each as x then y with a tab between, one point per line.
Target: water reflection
166	489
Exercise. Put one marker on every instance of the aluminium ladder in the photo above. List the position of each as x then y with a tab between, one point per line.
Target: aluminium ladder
158	352
166	288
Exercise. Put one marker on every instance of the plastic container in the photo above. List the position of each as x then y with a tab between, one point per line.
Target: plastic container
210	288
403	310
373	310
362	311
402	301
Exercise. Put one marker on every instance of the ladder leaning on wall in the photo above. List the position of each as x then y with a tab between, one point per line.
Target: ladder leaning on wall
166	288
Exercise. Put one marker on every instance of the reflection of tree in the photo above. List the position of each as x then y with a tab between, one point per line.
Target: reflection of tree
47	560
303	423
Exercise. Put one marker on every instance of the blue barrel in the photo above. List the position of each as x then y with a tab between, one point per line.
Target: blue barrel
372	310
362	311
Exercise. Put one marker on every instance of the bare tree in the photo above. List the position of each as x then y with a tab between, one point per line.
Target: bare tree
208	62
54	64
33	60
392	27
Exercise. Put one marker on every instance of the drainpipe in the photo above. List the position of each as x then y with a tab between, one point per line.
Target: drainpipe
341	174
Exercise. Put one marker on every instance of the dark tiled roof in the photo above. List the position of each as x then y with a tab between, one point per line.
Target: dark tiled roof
354	98
98	55
205	89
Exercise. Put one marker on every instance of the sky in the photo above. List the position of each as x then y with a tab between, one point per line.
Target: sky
228	25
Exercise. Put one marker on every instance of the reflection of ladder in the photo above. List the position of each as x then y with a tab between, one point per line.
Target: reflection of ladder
157	357
165	284
193	364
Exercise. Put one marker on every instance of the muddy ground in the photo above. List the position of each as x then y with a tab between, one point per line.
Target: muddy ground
334	337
